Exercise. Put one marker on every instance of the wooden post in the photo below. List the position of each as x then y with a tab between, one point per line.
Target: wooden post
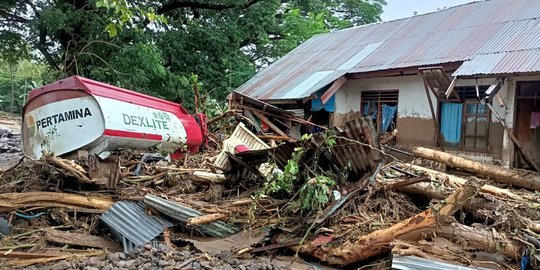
435	123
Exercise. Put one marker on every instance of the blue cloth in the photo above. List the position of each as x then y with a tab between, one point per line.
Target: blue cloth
370	109
525	262
451	115
388	114
329	106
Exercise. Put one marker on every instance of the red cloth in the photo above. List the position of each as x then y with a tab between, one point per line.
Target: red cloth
241	148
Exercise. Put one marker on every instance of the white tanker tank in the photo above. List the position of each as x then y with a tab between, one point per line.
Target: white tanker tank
81	114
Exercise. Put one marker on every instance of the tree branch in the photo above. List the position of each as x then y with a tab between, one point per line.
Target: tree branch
11	17
42	47
192	4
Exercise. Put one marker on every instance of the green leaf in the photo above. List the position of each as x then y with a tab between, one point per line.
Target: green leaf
100	3
151	16
111	29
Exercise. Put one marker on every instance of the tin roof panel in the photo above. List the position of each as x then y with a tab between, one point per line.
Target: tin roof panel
455	34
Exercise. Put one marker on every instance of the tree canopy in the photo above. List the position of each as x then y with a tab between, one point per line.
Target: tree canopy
156	46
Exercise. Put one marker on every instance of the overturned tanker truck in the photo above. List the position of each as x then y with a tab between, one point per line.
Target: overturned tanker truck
81	114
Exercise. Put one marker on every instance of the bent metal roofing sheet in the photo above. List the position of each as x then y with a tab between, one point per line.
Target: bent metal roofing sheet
474	31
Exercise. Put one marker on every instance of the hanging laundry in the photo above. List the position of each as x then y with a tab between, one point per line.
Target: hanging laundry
388	114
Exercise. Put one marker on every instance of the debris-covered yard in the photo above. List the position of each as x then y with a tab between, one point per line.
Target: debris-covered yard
337	198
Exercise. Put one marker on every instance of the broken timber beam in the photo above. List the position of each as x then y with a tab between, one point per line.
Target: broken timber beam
206	219
496	173
13	201
378	242
270	124
79	239
70	168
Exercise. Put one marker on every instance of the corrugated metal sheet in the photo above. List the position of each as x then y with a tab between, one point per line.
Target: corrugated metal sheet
132	225
501	63
452	35
182	213
361	158
353	149
417	263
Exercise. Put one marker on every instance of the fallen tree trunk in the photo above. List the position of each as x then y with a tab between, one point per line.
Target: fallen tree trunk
473	237
480	207
458	181
12	201
79	239
497	173
378	242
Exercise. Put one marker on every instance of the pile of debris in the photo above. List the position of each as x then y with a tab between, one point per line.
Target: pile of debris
10	141
336	196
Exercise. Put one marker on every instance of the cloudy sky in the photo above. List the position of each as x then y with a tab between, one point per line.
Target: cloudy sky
396	9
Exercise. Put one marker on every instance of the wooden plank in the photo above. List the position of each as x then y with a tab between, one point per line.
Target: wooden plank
333	89
273	137
249	115
28	255
240	99
79	239
450	88
493	89
435	121
270	124
242	163
291	118
297	135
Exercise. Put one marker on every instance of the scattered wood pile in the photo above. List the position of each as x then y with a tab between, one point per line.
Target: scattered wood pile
335	196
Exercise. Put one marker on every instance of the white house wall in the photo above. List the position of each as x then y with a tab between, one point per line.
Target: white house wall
414	116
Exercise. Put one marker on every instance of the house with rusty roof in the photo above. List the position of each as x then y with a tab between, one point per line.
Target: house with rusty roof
466	78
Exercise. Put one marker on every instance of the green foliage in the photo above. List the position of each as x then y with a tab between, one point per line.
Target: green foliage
297	28
13	48
20	77
155	46
283	182
315	194
124	13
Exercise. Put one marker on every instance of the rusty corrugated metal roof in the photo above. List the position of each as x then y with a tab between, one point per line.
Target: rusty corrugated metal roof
501	63
452	35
